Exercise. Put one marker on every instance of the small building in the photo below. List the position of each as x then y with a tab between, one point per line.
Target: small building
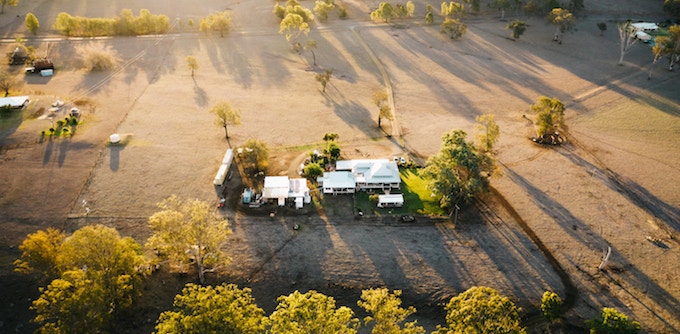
391	201
15	102
338	182
276	188
645	26
299	192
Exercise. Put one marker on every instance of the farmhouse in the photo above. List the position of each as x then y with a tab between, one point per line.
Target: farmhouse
338	182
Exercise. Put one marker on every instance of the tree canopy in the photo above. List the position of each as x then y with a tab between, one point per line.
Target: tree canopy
32	23
7	2
563	20
551	307
225	114
611	321
386	312
669	46
192	63
481	310
39	252
459	172
218	21
518	27
187	230
549	115
255	155
221	309
487	132
311	312
454	28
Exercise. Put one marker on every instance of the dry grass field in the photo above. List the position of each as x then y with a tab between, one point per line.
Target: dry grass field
612	185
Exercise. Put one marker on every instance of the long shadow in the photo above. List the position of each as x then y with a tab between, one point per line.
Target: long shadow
63	149
114	156
635	193
47	156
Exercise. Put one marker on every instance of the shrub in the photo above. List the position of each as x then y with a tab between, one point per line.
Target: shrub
96	57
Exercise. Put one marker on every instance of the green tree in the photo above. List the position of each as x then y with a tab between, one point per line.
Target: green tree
551	307
385	12
481	310
312	171
204	309
255	155
549	115
192	63
602	27
322	9
332	150
454	28
187	230
293	25
487	132
225	115
39	253
381	100
329	136
429	16
611	321
459	172
518	28
311	312
7	2
324	78
32	23
669	45
7	82
311	46
100	274
386	311
563	21
218	21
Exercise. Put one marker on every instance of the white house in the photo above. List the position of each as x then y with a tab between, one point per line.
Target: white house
338	182
378	174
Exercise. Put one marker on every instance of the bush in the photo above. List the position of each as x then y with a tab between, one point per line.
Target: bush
373	198
96	57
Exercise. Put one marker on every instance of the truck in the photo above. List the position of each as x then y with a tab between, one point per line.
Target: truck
43	66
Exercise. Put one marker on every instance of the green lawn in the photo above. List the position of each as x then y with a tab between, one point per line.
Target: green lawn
417	199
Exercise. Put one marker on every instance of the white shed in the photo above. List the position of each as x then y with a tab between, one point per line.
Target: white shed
276	187
392	200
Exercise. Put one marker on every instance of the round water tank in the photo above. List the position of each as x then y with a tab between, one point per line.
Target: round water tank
114	138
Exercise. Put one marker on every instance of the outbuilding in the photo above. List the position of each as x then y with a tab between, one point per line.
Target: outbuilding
15	102
391	201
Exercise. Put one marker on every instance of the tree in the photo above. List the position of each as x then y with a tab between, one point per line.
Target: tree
39	252
487	132
669	45
322	8
332	150
551	307
611	321
255	155
563	21
97	57
293	25
32	23
311	46
192	63
225	115
602	26
186	230
459	172
381	100
518	28
324	78
218	21
330	136
311	312
657	51
501	5
222	309
626	38
386	311
454	28
482	310
8	2
549	115
99	273
429	17
385	12
7	82
312	171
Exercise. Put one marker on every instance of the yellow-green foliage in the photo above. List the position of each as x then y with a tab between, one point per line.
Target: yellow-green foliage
125	24
96	57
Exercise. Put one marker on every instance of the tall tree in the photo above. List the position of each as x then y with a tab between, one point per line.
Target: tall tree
99	274
626	38
293	25
482	310
386	312
611	321
669	45
551	307
7	82
381	100
332	150
218	21
563	21
487	132
204	309
225	115
311	312
311	46
192	63
39	252
429	17
255	155
518	27
187	230
549	115
7	2
322	9
32	23
454	28
459	172
384	12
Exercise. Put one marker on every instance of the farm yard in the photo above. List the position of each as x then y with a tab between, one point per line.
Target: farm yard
552	211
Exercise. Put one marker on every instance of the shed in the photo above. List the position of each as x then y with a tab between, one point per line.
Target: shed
16	102
276	187
392	200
